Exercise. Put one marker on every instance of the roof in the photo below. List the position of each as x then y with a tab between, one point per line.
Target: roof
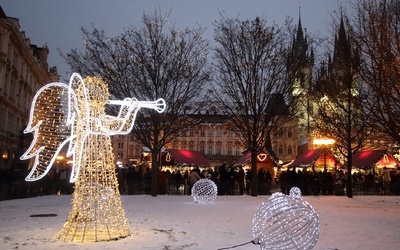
184	157
368	158
307	158
263	156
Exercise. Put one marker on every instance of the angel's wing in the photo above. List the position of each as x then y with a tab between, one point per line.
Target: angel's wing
78	125
48	122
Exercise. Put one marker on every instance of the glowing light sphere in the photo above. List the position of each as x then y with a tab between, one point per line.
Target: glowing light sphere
286	222
204	191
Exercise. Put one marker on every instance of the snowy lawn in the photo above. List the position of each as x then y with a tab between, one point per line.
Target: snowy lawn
176	222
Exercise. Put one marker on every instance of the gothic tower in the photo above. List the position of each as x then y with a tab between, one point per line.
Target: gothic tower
300	66
341	69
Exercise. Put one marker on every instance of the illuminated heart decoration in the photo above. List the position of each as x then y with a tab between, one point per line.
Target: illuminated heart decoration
262	157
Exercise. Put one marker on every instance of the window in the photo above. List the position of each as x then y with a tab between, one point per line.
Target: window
219	132
229	150
210	150
120	155
280	133
191	132
280	150
218	149
237	150
289	133
289	150
210	133
120	145
202	149
202	133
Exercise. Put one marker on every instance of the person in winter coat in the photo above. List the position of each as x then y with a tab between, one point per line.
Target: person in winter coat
193	178
386	180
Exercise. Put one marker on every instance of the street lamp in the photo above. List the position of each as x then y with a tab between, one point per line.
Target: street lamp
324	142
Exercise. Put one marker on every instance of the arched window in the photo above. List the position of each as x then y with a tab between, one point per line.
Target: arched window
289	150
280	133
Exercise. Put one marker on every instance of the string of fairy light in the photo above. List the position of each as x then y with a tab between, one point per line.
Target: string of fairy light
204	191
286	222
97	212
75	114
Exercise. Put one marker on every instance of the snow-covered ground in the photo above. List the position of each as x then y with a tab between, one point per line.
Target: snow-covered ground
176	222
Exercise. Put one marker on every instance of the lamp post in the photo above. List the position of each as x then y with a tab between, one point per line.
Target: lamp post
324	142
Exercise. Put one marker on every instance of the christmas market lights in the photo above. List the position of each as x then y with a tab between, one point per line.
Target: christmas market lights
286	222
75	114
204	191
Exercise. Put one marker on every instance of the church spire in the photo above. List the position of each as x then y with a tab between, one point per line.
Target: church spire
299	28
300	45
342	48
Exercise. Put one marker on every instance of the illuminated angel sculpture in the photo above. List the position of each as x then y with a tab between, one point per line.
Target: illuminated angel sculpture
74	114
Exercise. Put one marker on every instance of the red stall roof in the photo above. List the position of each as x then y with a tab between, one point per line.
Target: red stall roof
368	158
307	158
185	157
263	156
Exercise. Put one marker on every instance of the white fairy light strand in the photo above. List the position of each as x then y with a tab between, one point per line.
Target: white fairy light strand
286	222
204	191
49	128
76	114
56	126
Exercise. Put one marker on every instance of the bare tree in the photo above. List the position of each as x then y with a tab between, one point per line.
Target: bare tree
376	31
156	61
252	82
342	113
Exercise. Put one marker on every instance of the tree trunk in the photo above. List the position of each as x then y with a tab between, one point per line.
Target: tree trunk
254	181
154	173
349	185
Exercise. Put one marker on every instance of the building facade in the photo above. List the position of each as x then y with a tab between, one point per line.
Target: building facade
214	139
23	71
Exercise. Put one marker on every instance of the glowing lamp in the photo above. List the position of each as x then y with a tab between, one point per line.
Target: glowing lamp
286	222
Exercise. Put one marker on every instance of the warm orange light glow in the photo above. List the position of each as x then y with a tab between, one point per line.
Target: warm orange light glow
324	141
5	155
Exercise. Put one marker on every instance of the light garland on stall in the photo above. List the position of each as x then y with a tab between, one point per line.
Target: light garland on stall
75	113
204	191
286	222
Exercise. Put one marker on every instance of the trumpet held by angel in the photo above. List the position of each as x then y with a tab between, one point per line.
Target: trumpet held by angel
64	114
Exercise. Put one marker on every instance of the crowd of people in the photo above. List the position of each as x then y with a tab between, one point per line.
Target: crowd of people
235	180
230	180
